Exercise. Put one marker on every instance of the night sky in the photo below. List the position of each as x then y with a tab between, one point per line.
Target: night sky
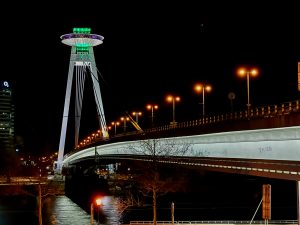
149	50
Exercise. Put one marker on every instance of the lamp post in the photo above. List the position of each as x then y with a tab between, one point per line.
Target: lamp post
248	72
92	213
202	88
115	124
172	212
98	203
152	107
137	114
109	128
173	99
40	200
124	119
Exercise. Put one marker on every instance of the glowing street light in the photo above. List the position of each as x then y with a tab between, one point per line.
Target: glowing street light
115	124
98	202
109	128
173	99
137	114
248	72
202	88
152	107
124	119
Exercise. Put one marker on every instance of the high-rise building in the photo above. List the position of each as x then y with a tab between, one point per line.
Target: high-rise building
7	126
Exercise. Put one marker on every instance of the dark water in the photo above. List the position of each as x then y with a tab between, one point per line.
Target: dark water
217	198
60	210
15	210
57	210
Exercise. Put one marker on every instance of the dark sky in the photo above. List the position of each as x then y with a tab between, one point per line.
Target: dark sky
149	50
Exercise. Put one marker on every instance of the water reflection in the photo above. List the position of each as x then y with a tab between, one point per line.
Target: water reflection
112	210
61	210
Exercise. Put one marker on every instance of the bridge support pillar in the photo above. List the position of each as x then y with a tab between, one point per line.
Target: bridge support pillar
298	201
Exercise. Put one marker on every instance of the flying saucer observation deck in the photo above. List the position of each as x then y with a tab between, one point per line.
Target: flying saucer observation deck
82	43
82	39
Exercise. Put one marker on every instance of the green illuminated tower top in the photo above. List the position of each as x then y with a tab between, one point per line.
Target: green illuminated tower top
82	38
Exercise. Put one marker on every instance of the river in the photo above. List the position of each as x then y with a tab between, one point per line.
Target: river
57	210
229	198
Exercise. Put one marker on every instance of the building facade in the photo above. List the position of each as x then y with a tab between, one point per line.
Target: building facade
7	114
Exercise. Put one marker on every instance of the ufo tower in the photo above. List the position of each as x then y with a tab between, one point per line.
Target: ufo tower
82	64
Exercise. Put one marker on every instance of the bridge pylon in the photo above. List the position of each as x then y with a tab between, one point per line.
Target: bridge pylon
83	60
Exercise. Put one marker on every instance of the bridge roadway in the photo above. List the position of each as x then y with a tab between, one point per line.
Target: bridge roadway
273	152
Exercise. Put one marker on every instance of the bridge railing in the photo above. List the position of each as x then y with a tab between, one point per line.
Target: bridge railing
268	111
257	112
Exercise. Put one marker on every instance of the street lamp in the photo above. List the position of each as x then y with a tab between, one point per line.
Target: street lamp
115	124
173	99
98	203
124	119
248	72
202	88
137	114
152	107
109	128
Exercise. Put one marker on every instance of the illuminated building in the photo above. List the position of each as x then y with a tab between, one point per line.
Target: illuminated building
7	127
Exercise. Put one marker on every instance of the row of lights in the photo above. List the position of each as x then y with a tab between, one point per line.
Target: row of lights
136	114
114	124
201	88
207	88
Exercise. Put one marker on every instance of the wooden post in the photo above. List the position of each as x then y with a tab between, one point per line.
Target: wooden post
172	212
40	199
92	214
266	204
298	201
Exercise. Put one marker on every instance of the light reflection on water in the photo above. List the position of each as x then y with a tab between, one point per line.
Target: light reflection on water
61	210
111	209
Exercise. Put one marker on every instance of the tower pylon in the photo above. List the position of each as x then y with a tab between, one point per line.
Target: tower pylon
83	60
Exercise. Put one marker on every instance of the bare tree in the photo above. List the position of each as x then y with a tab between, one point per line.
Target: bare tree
156	153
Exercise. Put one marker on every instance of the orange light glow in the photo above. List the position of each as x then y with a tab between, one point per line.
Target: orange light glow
123	119
152	106
243	72
136	113
170	98
98	201
199	88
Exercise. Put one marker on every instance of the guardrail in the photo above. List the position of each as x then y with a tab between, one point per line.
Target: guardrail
274	222
258	112
268	111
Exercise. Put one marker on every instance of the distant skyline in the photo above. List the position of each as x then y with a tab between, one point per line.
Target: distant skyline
150	50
